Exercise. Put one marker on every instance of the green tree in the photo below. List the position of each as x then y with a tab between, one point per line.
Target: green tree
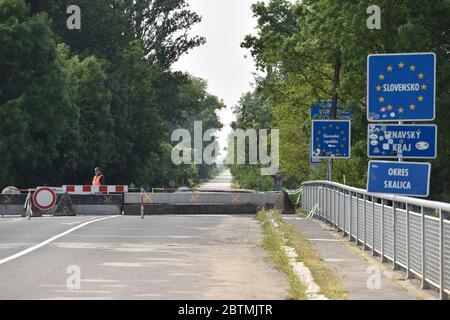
139	127
92	98
34	105
300	46
162	27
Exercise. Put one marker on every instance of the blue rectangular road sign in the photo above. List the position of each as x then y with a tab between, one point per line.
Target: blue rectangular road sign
401	87
402	141
331	138
321	110
400	178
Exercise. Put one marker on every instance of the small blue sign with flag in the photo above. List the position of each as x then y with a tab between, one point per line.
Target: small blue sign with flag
401	87
331	138
313	160
402	141
400	178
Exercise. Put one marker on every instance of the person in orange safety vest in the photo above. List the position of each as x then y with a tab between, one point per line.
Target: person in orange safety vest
99	178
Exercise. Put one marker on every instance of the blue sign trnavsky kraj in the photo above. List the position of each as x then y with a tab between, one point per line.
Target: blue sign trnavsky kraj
401	87
331	138
402	141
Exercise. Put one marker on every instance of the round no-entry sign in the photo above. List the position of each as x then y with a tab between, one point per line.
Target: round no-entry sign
44	198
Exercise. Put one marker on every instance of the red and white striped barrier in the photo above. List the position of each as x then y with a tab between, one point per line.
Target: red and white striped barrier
78	189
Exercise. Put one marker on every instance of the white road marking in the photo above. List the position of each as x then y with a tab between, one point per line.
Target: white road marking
120	236
11	220
339	260
44	243
326	240
70	223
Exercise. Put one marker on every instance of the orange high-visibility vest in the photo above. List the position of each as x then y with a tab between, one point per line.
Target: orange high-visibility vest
96	180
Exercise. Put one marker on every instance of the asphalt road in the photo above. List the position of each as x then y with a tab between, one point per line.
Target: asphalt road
221	182
125	257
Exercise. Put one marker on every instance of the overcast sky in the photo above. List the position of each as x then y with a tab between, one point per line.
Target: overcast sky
221	61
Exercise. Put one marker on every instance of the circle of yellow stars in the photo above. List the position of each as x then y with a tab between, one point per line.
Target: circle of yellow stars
382	76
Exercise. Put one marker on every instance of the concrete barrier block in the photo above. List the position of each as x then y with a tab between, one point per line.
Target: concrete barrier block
155	209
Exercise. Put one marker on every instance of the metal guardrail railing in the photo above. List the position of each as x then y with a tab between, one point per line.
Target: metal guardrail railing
410	233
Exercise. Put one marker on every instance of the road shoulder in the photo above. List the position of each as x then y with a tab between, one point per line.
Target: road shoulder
363	277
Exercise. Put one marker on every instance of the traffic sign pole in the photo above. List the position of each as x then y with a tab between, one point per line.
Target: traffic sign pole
400	159
330	169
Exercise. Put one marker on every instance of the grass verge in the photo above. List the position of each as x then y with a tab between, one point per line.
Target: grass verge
325	277
273	243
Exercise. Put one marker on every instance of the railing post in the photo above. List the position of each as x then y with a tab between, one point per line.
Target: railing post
328	204
320	201
350	211
339	209
408	253
357	218
304	199
442	294
308	196
424	270
324	203
345	200
394	236
335	207
331	206
373	226
364	222
308	199
142	203
316	197
382	231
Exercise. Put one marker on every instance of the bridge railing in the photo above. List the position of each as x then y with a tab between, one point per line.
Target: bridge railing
410	233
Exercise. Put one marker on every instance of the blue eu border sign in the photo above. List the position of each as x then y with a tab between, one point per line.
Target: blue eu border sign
401	87
399	178
402	141
331	138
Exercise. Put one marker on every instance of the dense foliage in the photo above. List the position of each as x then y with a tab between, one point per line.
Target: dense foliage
316	50
103	95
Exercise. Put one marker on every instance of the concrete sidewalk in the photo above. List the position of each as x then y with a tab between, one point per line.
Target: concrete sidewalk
353	269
